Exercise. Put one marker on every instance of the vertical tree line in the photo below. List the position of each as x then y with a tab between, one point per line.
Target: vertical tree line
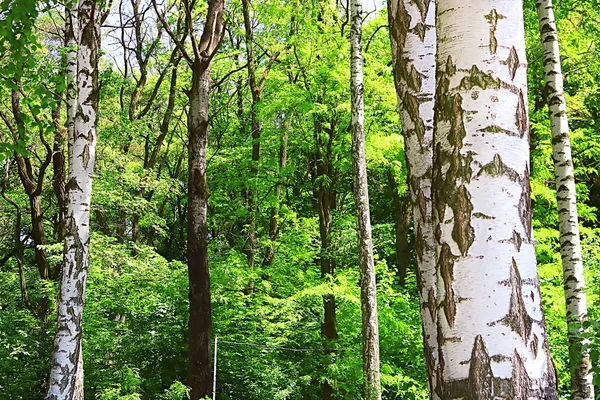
254	144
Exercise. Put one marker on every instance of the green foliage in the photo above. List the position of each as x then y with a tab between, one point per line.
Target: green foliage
267	319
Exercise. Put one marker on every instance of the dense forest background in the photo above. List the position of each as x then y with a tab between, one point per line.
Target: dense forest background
279	141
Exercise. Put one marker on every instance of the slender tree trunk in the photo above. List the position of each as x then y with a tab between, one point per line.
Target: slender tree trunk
58	160
38	235
325	204
58	181
256	88
570	246
33	191
274	220
164	126
492	333
255	127
66	374
413	40
368	283
71	36
41	259
18	251
402	218
58	172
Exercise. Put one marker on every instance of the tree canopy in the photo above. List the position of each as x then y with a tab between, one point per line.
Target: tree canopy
281	227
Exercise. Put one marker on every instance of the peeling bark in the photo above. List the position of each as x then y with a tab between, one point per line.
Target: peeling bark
413	40
570	245
482	212
66	374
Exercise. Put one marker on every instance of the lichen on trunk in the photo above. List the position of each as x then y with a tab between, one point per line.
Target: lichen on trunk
66	375
413	40
492	334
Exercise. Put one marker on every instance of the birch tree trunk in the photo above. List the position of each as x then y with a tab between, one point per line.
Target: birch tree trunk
66	374
570	246
492	333
368	286
413	40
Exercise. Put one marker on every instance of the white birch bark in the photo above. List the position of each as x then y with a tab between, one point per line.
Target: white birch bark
492	333
71	34
413	40
570	246
368	286
66	374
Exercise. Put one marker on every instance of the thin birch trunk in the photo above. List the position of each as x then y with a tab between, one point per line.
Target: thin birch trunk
492	333
570	246
66	374
368	285
413	40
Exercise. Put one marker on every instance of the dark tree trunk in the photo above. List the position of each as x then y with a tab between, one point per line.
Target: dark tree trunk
200	321
59	176
19	248
274	220
402	218
325	206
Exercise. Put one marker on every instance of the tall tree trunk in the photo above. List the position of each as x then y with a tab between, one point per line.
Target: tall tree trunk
570	246
255	126
325	205
274	220
492	333
164	126
66	374
58	180
368	285
256	88
38	235
58	161
200	322
402	218
200	319
39	239
413	40
18	251
33	188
